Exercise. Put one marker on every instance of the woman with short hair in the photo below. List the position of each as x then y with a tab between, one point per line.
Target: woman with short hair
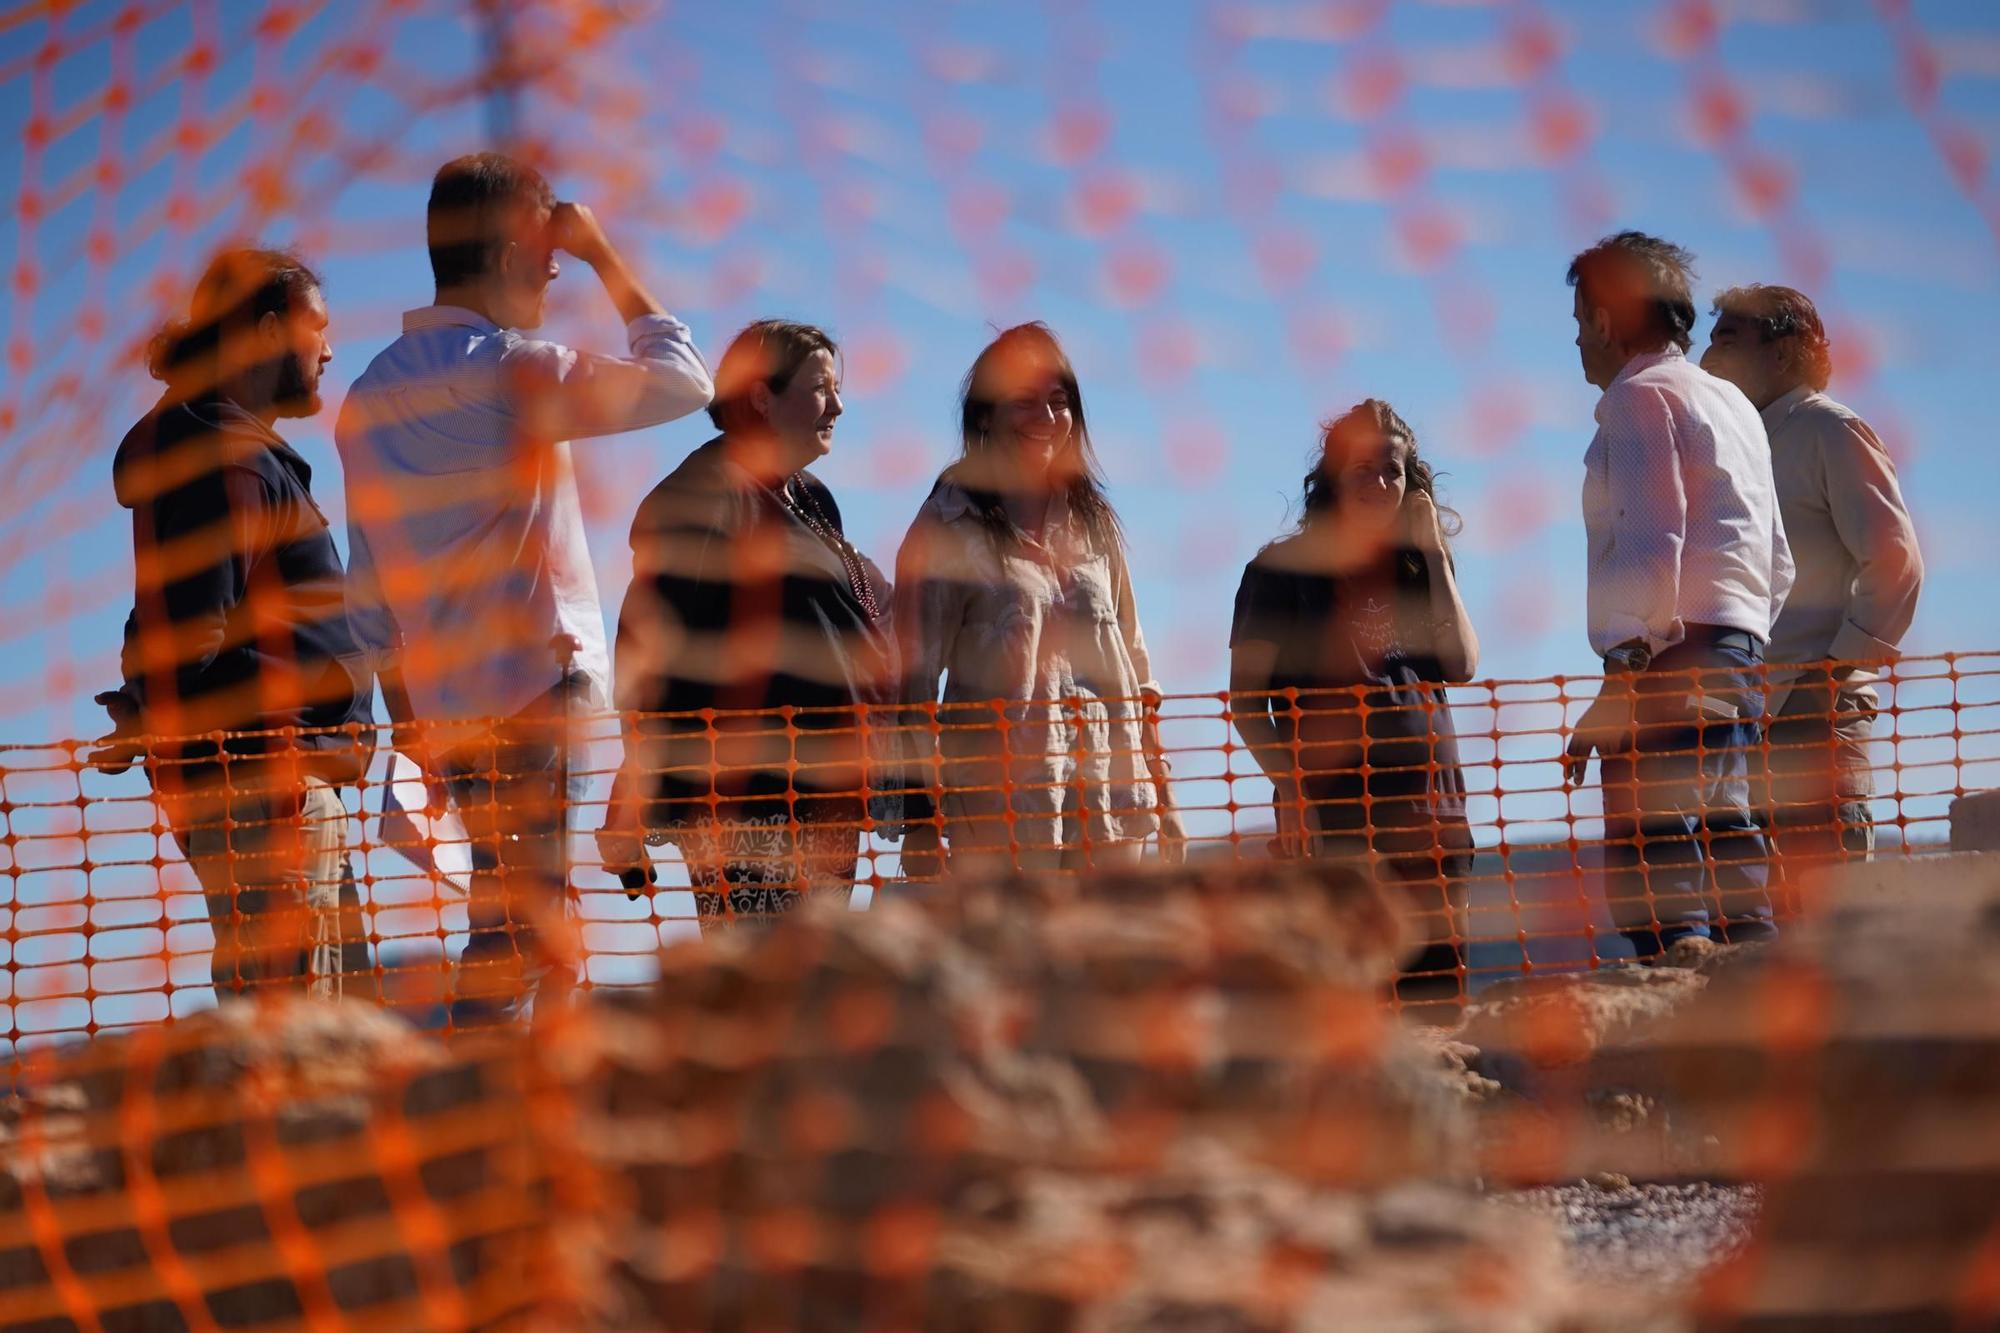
1014	591
747	599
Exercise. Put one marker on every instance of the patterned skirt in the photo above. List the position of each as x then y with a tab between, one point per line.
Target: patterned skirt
759	857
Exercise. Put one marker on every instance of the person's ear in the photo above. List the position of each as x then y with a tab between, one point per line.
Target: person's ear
271	332
1600	326
761	398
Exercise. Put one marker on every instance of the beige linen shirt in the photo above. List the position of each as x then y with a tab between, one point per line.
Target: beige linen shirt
1045	673
1859	570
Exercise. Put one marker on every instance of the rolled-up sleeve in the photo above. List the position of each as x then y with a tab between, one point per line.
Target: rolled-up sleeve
1874	525
1648	520
563	394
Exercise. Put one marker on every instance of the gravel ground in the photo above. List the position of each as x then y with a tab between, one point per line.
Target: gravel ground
1650	1235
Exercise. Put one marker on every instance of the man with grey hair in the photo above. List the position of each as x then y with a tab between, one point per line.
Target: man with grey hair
1859	569
1688	567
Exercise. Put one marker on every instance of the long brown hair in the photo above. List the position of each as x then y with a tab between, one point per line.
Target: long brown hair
993	372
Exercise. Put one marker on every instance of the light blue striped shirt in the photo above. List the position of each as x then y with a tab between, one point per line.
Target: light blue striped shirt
466	537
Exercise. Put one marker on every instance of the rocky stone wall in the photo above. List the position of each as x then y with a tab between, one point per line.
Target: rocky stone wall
1153	1101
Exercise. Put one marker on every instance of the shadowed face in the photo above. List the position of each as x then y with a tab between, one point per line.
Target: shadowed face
1371	483
1594	346
527	267
1738	352
1032	423
304	349
802	416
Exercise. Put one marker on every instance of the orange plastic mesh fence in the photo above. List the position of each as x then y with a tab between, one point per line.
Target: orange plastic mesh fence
912	1113
105	925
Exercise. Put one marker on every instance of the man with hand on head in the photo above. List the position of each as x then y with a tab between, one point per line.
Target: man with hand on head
474	588
1688	569
1859	570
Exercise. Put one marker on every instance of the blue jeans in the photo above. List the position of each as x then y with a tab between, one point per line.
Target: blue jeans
1683	846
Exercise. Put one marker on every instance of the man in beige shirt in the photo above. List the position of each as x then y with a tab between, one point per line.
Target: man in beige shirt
1859	570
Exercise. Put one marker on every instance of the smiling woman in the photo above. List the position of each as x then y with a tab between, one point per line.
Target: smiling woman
1014	590
747	598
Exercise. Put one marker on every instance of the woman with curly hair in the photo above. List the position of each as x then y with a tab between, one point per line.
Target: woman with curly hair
1344	633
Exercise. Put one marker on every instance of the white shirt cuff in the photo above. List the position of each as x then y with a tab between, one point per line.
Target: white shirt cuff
1620	628
655	326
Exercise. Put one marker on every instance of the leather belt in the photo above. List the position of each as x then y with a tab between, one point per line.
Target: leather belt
1722	636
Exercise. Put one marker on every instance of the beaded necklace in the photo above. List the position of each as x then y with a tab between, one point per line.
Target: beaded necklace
804	506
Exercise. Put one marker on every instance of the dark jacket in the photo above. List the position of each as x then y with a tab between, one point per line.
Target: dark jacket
239	619
736	604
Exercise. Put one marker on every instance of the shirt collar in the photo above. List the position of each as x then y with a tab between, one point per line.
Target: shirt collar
446	316
1647	360
1782	408
1643	361
951	501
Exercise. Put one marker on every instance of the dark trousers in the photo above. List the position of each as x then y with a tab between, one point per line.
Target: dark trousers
1684	850
513	789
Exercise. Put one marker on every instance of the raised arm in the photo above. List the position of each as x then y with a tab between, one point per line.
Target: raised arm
1447	631
564	394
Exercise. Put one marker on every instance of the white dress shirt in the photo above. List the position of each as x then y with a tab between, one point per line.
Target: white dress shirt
1680	508
1859	567
467	552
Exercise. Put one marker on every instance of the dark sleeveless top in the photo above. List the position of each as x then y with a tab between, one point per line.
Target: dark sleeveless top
1372	631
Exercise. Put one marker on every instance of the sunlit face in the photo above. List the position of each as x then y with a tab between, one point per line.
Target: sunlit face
1600	359
1032	423
802	416
306	350
1371	485
1738	352
527	267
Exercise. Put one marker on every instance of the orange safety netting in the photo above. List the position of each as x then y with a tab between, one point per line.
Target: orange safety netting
1049	1036
106	926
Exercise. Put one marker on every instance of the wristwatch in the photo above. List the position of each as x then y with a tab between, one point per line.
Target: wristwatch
1628	659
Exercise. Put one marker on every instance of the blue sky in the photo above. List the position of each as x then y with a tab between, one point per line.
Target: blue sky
1190	194
816	128
808	134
